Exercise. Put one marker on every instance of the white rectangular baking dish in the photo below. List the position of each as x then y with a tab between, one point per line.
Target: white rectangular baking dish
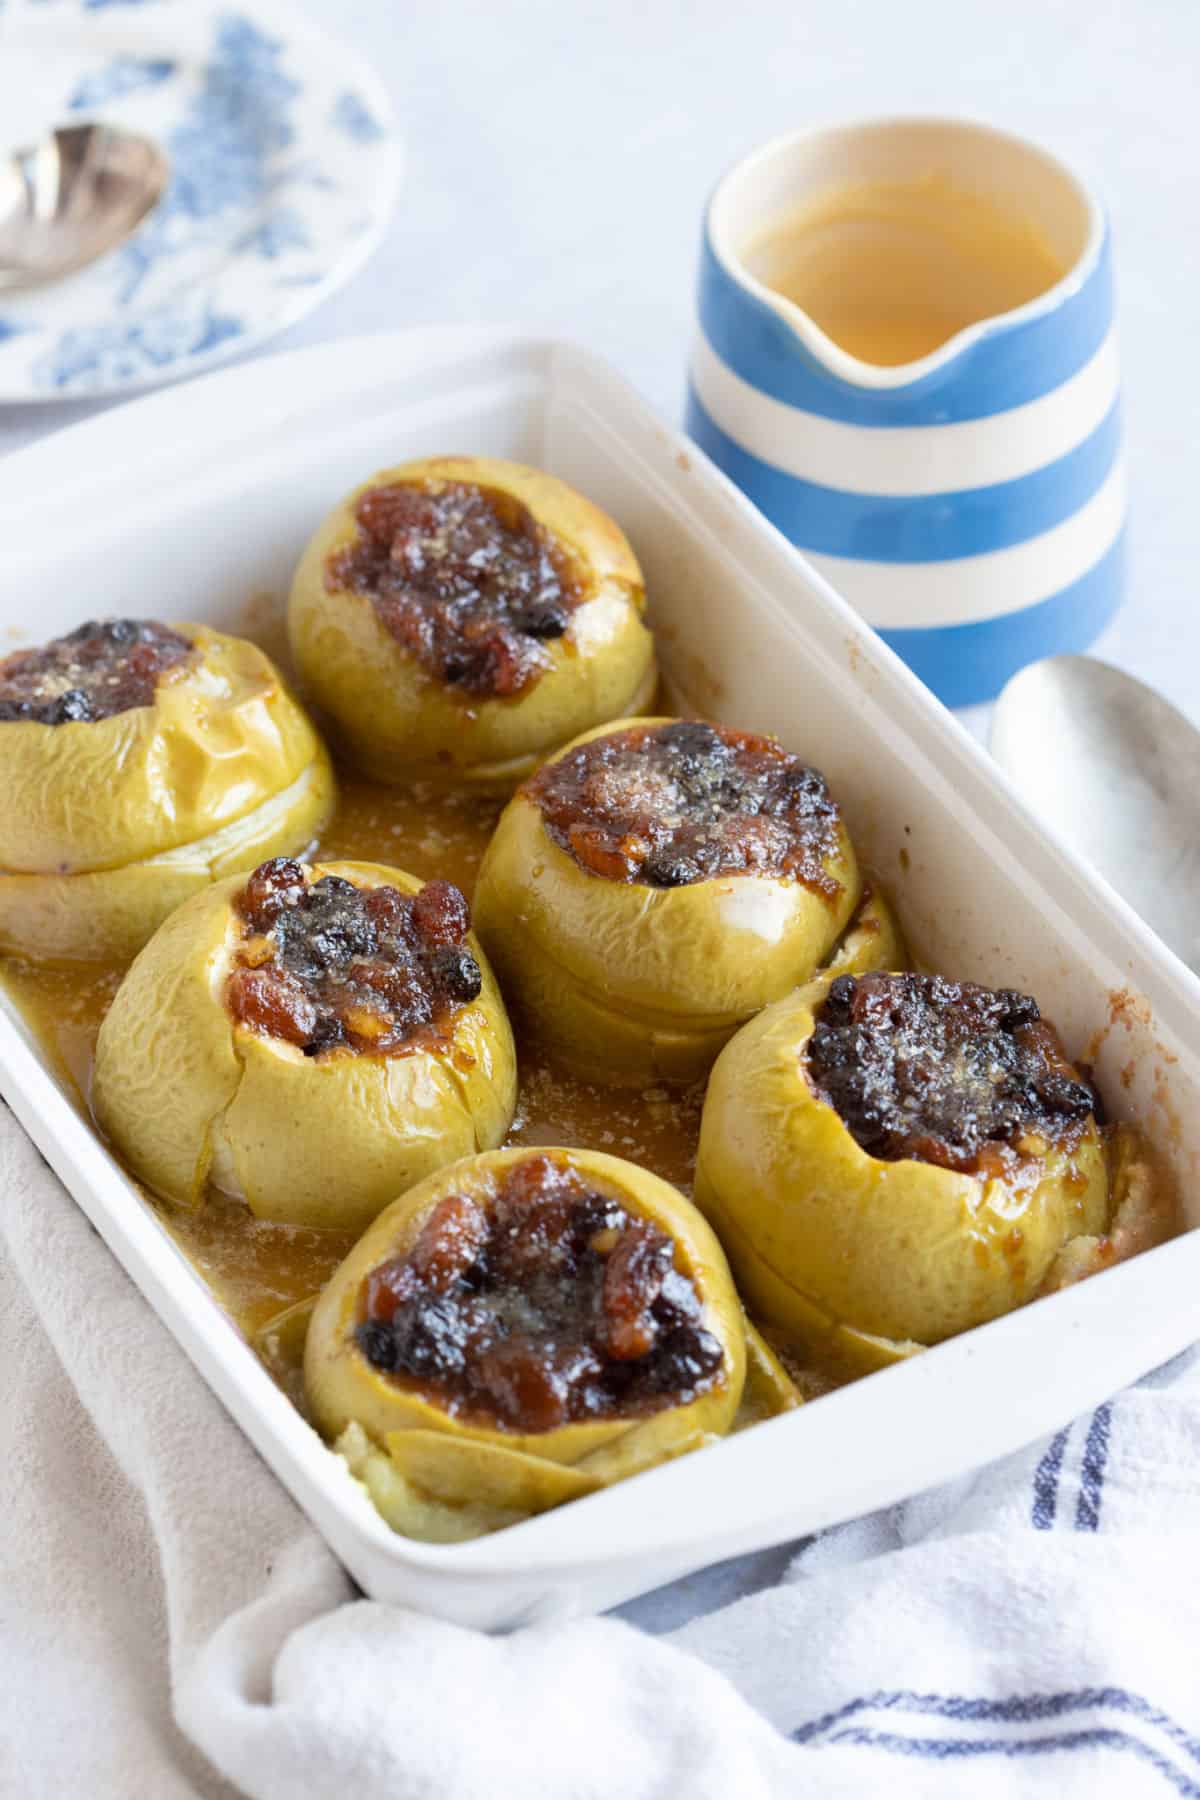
194	503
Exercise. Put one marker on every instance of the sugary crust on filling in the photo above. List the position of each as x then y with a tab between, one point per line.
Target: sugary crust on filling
945	1072
103	667
546	1303
668	805
465	578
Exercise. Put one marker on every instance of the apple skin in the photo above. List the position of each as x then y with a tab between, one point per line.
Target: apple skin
631	984
857	1257
187	1095
472	1464
110	824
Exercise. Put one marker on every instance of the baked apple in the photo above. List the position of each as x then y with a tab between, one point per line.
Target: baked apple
313	1040
892	1158
522	1328
460	616
658	882
141	762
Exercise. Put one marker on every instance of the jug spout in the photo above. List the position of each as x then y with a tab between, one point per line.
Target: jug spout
841	364
887	249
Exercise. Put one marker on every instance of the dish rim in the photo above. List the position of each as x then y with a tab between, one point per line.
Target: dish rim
541	1548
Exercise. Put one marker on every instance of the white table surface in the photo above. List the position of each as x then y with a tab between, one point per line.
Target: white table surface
560	152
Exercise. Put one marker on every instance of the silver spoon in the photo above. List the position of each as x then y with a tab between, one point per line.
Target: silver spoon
1115	770
66	200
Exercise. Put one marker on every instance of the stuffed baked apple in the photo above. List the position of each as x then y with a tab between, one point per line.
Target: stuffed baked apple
892	1158
658	882
141	762
313	1040
520	1329
459	617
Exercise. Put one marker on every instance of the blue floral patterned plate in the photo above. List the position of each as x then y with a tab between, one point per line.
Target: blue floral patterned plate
284	167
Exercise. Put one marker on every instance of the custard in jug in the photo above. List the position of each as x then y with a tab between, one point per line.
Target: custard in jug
891	271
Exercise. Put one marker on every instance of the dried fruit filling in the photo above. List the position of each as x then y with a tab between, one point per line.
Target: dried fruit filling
326	965
945	1072
551	1303
671	804
465	578
103	667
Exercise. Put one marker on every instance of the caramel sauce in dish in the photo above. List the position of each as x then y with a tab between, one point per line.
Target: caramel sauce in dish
255	1268
892	271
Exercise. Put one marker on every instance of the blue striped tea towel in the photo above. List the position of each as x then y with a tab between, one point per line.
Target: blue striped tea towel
170	1624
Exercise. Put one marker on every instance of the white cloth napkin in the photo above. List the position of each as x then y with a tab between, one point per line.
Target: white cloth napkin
171	1626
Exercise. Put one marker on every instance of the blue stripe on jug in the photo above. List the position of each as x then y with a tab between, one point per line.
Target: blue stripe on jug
902	461
1015	545
920	528
966	663
970	589
1007	365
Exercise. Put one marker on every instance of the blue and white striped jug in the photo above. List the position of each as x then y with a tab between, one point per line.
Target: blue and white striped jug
971	504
